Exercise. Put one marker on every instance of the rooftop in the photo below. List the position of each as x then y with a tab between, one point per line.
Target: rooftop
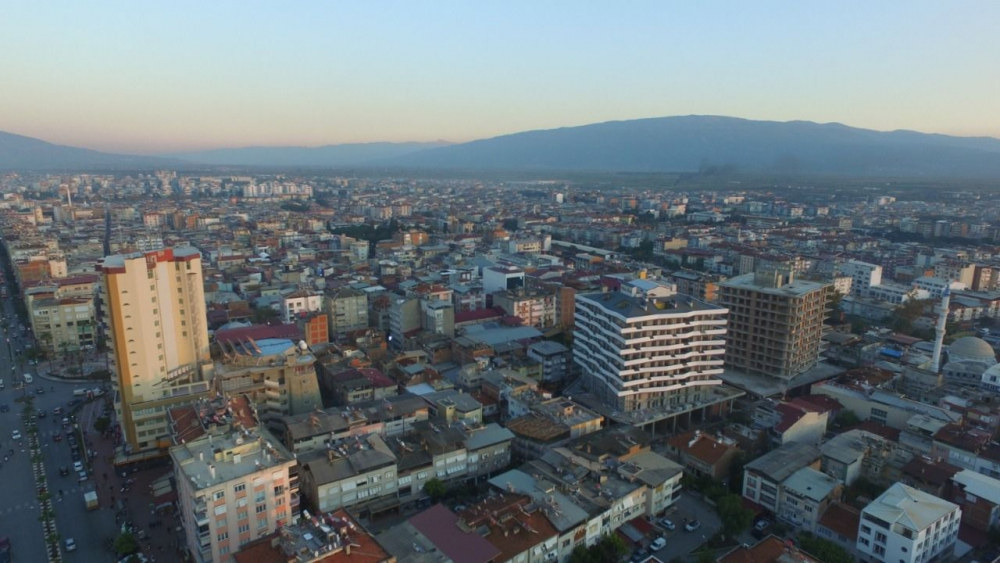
212	460
781	463
910	507
797	288
625	305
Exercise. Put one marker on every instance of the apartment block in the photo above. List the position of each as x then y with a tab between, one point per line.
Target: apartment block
775	323
347	310
275	373
155	307
644	348
233	488
908	525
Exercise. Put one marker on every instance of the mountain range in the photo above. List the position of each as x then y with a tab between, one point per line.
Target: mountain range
664	144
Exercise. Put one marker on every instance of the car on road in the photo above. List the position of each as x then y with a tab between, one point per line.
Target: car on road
40	391
41	414
668	524
761	525
74	402
658	544
70	544
692	525
82	476
78	466
4	408
15	435
63	471
57	411
57	437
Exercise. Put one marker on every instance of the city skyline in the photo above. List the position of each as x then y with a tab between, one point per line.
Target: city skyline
181	77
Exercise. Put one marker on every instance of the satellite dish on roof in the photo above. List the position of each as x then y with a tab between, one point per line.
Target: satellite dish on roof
303	346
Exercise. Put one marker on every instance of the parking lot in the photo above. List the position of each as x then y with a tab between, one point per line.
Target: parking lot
680	542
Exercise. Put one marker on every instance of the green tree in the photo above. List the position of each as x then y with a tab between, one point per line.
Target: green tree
126	544
824	550
846	419
102	423
735	518
435	489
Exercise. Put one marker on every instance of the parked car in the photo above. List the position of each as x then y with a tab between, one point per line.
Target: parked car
41	414
15	435
57	437
57	411
63	471
640	555
668	524
761	525
82	476
4	408
70	544
692	525
78	466
658	544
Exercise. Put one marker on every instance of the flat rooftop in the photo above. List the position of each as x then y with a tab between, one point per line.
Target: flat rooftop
796	288
628	306
215	459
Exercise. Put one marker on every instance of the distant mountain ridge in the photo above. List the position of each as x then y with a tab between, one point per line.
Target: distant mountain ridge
692	143
18	152
682	144
328	156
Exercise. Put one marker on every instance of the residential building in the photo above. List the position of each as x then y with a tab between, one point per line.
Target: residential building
791	421
63	324
640	349
335	537
979	497
299	304
904	524
534	308
502	278
703	454
278	376
554	358
804	497
863	275
347	310
155	310
762	477
775	323
231	489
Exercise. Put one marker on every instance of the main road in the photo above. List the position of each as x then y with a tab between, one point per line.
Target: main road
19	512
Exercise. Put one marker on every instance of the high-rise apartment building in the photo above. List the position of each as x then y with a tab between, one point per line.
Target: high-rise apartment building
232	489
863	276
775	322
155	309
645	348
346	309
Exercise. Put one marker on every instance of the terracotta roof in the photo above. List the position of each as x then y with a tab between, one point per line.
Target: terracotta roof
968	439
768	550
259	332
790	414
705	448
842	519
478	315
819	403
878	429
933	472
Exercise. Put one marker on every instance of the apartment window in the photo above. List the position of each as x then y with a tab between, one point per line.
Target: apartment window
239	488
261	522
261	508
241	515
259	497
221	523
224	550
223	536
219	495
279	490
880	537
244	528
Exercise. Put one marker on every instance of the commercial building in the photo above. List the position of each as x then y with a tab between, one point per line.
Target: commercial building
775	323
908	525
233	488
327	538
155	307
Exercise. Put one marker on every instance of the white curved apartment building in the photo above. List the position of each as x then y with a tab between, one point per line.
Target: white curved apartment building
646	348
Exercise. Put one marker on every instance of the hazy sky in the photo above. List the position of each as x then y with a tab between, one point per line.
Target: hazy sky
173	75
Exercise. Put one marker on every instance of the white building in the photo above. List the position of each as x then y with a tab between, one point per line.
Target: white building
642	348
936	286
907	525
863	275
300	303
502	278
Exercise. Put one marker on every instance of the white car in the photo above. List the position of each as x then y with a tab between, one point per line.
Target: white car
15	435
70	544
668	524
658	544
77	466
692	525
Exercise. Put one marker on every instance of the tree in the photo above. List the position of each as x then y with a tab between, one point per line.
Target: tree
436	489
102	423
735	518
609	548
824	550
126	544
846	419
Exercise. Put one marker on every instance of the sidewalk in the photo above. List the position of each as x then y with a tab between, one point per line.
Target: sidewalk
162	540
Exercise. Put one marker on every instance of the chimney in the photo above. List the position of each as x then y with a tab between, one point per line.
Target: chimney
201	456
211	471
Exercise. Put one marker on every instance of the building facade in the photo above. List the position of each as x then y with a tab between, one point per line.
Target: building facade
155	307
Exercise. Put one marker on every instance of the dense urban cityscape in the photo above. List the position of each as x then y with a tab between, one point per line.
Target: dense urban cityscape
479	370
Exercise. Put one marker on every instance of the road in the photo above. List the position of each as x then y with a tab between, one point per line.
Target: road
19	512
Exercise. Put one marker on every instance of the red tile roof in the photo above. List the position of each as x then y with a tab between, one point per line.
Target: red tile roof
259	332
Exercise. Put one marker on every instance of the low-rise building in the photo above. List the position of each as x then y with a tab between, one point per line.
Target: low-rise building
904	524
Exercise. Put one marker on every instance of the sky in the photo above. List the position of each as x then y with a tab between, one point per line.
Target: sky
156	77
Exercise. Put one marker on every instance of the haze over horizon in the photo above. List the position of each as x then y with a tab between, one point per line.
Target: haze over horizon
151	79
